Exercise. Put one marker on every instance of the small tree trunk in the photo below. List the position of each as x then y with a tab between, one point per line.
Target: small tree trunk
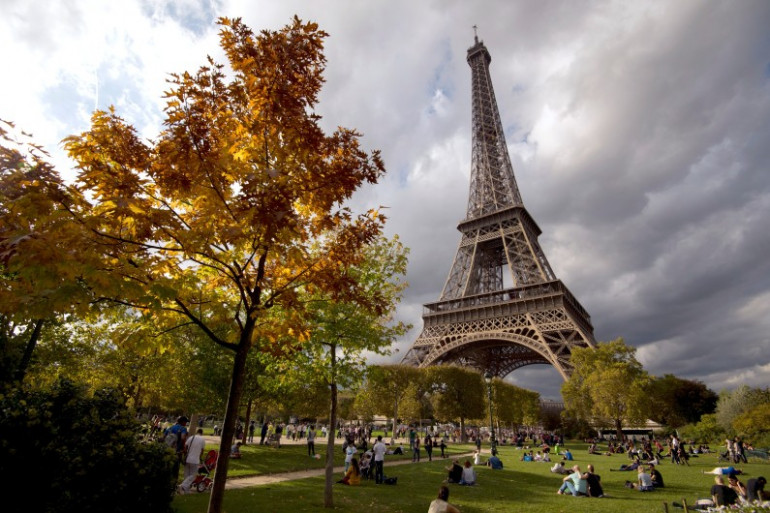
329	485
231	415
463	437
21	371
248	420
395	422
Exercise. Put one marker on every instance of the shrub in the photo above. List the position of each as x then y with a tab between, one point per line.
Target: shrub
65	451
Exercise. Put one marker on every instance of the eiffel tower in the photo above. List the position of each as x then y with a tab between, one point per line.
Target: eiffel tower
477	321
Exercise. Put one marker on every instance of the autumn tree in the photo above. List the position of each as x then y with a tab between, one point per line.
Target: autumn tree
43	270
458	394
237	207
608	386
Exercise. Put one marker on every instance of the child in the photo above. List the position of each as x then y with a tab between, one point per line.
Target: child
235	450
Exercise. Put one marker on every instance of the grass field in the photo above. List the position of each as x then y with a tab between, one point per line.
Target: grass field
520	487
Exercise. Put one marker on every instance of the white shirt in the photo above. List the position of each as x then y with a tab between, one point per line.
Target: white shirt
195	445
379	451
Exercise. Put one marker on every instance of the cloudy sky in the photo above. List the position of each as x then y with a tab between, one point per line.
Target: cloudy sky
639	134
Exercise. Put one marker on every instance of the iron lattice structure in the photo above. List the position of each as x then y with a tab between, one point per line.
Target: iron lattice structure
478	322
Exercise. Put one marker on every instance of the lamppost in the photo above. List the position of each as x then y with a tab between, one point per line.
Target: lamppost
492	440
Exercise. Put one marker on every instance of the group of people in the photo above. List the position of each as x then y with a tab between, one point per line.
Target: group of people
371	464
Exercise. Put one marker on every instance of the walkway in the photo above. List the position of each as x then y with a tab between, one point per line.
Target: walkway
245	482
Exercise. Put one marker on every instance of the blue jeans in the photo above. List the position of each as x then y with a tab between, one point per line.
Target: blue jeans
568	486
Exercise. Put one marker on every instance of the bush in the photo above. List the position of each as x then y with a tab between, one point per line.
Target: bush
64	451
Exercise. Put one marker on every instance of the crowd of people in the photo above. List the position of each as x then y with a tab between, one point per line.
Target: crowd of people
365	461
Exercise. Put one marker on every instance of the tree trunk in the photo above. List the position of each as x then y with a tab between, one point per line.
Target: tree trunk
329	485
463	438
395	422
21	371
231	415
248	420
619	429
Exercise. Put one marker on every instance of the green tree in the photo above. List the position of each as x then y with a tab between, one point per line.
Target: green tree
387	387
344	331
514	405
754	425
676	401
235	208
706	430
608	386
732	404
458	394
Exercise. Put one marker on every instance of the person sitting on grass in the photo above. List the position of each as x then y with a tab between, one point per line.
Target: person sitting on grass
643	481
755	489
721	494
455	472
738	487
593	483
575	483
567	455
559	468
235	451
494	462
353	474
469	475
440	504
657	479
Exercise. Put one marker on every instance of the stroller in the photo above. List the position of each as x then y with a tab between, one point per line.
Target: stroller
203	480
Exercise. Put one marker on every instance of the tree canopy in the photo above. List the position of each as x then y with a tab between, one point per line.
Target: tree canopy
608	386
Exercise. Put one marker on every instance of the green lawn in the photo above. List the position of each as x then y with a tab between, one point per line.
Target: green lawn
520	487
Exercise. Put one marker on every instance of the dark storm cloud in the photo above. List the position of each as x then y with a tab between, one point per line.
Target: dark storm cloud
639	134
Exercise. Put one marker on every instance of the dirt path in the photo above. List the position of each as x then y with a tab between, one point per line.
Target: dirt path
245	482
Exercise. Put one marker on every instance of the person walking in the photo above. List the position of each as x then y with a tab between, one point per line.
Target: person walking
379	450
416	450
194	449
263	433
175	438
429	446
252	427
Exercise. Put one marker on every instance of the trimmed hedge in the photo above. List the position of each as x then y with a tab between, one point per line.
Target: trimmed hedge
62	451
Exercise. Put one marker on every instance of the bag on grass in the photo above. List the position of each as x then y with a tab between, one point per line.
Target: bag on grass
390	480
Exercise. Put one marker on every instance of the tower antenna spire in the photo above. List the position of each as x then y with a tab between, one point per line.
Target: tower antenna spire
475	35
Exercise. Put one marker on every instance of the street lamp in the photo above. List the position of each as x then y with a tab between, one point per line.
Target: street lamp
493	442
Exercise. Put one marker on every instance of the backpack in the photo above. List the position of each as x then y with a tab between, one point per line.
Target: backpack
390	480
171	439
